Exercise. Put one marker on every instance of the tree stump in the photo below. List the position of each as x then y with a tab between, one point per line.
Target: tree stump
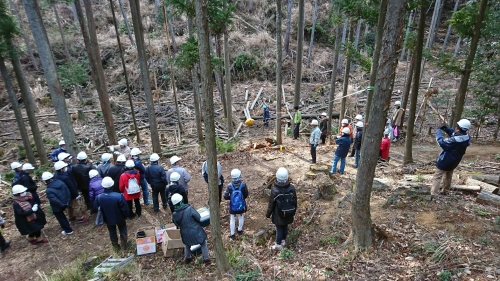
325	187
309	175
315	168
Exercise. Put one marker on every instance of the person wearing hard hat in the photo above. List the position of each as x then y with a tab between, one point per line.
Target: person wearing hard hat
344	142
267	115
60	197
121	148
67	158
157	178
134	153
220	178
345	124
124	185
57	151
314	139
81	171
297	118
95	185
173	188
27	181
397	120
388	127
114	211
187	219
357	119
29	216
62	174
357	142
323	126
115	171
385	146
452	151
176	167
105	165
17	168
236	208
4	244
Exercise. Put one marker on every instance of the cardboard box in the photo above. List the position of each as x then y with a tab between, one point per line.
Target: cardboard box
172	243
205	216
146	245
159	232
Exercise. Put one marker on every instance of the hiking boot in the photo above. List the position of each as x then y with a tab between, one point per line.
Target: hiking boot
66	233
207	261
188	260
232	236
240	232
283	243
277	247
5	246
42	241
116	246
82	220
32	242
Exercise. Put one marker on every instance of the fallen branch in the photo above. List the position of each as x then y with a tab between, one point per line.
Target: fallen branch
257	97
304	116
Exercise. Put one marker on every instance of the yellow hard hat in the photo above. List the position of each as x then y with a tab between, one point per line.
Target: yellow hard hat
249	122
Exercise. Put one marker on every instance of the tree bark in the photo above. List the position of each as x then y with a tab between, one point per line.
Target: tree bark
409	77
311	43
288	27
407	33
218	79
17	113
171	29
346	74
146	84
360	209
358	31
457	47
278	73
196	88
50	73
331	96
208	108
300	50
25	37
495	134
127	84
229	105
376	55
125	20
448	32
344	35
408	158
464	82
434	24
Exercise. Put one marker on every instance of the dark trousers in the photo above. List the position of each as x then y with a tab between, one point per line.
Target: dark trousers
281	233
138	209
296	131
353	150
323	139
86	198
63	221
35	234
313	153
2	241
36	198
122	227
159	190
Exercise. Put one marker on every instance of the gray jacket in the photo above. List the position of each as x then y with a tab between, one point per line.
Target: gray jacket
188	220
1	221
219	170
315	135
185	176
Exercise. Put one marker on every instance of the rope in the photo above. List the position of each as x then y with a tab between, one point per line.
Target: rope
355	93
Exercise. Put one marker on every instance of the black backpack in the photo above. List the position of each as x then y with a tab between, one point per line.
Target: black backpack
286	202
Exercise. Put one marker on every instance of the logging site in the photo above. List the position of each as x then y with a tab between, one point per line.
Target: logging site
249	140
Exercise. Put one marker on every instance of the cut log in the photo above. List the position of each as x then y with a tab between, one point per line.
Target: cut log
489	179
309	175
246	94
484	186
257	98
304	116
476	188
487	198
466	187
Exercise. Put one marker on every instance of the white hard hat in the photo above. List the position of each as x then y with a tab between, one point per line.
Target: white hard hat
235	174
345	121
314	122
154	157
346	131
47	176
359	117
130	164
174	159
59	165
386	132
135	151
81	155
324	114
360	124
93	173
388	121
464	124
176	198
106	156
123	142
282	175
121	158
15	165
63	155
107	182
62	143
397	103
17	189
174	176
28	166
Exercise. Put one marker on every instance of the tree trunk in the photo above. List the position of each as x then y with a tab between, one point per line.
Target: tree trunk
129	94
495	134
457	47
408	158
73	10
300	50
29	103
331	96
376	55
360	209
25	37
229	105
407	33
96	63
50	73
341	57
288	27
208	107
196	88
17	113
171	29
125	20
143	64
278	73
346	75
433	25
448	32
315	17
409	77
464	82
358	31
218	79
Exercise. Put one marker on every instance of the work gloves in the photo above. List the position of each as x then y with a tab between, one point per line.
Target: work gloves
35	208
443	127
117	153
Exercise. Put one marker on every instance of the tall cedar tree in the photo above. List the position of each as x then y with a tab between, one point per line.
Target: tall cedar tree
279	53
300	50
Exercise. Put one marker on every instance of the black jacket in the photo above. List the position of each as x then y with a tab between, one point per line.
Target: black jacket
188	220
358	138
58	195
68	181
229	191
81	174
114	208
173	189
323	126
21	220
156	175
453	148
272	208
115	172
103	169
27	181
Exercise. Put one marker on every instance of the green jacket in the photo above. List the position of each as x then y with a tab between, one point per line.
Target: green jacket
297	118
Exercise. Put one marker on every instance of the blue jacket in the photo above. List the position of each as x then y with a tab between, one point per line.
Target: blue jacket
156	175
53	155
69	181
139	166
58	195
266	113
357	139
114	208
229	191
343	143
453	148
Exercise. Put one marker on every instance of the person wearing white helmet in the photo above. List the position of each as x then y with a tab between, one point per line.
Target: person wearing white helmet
343	142
220	177
452	151
134	153
157	178
27	181
282	207
236	193
129	176
105	165
345	124
95	185
60	199
357	143
121	148
297	118
174	188
116	170
314	139
57	151
385	146
359	117
4	244
176	167
67	158
62	174
29	216
81	171
397	120
115	212
323	126
17	168
187	219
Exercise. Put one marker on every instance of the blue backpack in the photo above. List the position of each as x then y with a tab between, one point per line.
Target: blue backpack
237	202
